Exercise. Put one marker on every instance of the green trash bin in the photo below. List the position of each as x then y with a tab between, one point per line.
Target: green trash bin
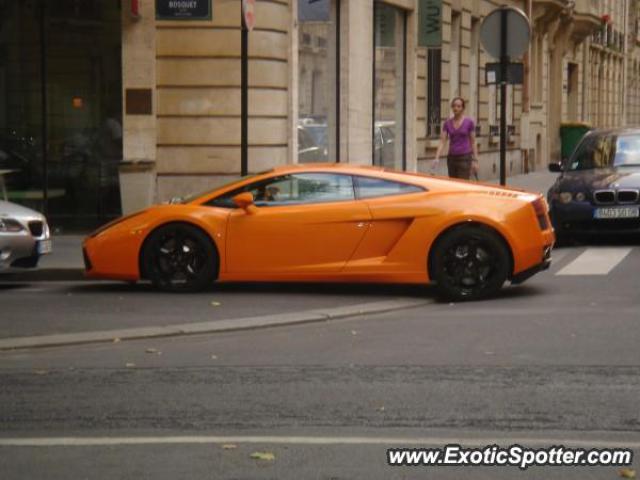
570	135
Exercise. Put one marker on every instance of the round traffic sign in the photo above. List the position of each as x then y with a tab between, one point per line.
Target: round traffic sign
249	14
517	34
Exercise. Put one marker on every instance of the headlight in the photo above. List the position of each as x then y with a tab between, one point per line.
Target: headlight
10	225
565	197
580	197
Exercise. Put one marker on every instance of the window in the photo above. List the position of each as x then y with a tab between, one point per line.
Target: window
294	189
369	187
434	95
474	70
389	86
454	59
318	62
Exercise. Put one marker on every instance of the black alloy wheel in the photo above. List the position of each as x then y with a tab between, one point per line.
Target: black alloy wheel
180	258
469	263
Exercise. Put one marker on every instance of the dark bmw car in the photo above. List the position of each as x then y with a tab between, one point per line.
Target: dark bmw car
598	189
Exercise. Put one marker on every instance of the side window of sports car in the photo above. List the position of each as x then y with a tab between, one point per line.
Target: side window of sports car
369	187
297	188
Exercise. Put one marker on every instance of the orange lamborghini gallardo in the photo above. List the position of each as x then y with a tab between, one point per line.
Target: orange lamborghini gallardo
332	223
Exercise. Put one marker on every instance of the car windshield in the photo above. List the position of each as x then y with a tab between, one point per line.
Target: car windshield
605	151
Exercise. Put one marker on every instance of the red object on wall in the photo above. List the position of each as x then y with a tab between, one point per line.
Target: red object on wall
135	8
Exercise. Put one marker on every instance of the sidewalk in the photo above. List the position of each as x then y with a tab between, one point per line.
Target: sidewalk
538	182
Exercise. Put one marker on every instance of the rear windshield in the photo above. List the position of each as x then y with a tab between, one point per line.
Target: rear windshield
602	151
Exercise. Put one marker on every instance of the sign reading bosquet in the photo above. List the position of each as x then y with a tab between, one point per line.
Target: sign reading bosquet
183	9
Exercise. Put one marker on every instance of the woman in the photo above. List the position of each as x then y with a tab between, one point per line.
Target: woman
460	132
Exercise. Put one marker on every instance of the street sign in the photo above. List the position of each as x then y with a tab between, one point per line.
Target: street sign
249	14
183	9
515	73
505	32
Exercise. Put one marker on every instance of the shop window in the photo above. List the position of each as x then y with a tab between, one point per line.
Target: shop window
389	86
318	114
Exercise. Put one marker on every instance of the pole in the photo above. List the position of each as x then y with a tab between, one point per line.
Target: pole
43	99
504	64
244	101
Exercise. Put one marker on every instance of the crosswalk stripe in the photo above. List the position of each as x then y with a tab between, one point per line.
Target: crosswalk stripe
596	261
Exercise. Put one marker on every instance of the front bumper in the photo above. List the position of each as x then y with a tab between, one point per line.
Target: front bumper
19	251
577	218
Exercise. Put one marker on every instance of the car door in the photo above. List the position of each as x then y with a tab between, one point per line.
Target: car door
394	207
304	223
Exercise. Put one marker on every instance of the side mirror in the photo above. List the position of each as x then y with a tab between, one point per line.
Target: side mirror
555	167
245	201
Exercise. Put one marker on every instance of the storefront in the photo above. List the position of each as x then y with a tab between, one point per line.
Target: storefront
60	108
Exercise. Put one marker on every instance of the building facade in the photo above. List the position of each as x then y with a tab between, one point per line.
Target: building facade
107	106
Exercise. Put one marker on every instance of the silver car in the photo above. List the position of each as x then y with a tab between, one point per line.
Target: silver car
24	237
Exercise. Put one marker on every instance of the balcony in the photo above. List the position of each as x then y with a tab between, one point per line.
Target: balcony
545	11
586	19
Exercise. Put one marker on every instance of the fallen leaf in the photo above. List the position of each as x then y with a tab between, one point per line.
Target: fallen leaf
214	357
116	340
266	456
40	372
381	409
354	332
229	446
153	350
627	473
130	365
215	304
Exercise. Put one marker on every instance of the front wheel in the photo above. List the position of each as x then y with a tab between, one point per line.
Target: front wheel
180	258
469	263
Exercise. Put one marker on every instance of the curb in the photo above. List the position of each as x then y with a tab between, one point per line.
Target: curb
220	326
45	275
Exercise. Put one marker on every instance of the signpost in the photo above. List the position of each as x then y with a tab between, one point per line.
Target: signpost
248	22
505	35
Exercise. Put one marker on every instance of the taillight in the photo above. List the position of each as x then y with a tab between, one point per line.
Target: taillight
540	207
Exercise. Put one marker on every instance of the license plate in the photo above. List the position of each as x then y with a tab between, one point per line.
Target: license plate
44	247
617	212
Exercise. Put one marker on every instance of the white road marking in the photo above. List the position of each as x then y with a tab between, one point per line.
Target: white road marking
311	440
596	261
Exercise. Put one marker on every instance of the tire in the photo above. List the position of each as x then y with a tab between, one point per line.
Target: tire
469	263
180	258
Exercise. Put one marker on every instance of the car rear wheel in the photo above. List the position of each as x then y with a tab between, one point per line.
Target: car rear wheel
180	258
469	263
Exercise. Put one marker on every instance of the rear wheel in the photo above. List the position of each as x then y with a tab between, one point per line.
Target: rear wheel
180	258
469	263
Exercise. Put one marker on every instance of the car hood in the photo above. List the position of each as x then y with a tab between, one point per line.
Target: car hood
601	178
8	209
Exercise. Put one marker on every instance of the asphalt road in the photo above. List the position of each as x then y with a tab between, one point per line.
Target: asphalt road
553	361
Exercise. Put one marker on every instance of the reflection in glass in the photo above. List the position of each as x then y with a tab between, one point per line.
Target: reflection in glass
389	85
83	114
317	81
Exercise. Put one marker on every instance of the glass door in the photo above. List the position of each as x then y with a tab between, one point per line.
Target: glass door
61	108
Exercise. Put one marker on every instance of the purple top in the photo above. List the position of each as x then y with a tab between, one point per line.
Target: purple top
460	139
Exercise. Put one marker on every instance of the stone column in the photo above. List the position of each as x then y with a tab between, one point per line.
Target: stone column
137	173
356	82
560	42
